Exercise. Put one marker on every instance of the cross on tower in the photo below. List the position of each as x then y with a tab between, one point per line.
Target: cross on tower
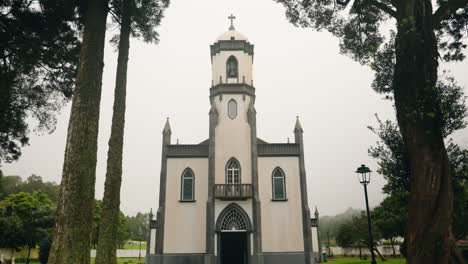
232	17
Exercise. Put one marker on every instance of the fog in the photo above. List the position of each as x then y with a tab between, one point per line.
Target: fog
297	72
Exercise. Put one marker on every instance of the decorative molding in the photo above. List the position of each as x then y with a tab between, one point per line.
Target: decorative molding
187	151
233	192
232	88
153	224
313	222
229	45
278	150
238	209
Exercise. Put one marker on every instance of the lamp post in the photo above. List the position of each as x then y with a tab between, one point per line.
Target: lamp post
363	173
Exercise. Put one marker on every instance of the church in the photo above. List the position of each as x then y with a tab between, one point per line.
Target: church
233	198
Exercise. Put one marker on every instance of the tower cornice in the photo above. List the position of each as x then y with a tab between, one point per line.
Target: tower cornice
230	45
232	88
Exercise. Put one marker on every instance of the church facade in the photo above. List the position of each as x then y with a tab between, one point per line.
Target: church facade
233	198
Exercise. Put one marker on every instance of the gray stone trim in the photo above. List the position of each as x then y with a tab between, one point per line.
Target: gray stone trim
278	150
273	199
179	258
153	224
182	186
187	151
284	257
160	218
313	222
226	169
228	45
210	210
256	208
306	223
232	88
240	210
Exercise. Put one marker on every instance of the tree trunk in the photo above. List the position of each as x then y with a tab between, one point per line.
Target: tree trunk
393	247
107	241
429	236
378	252
72	235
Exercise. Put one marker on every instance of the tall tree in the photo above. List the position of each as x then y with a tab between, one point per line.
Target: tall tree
71	241
39	50
421	32
140	18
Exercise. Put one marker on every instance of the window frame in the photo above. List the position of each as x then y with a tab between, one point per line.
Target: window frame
228	109
182	181
273	194
238	170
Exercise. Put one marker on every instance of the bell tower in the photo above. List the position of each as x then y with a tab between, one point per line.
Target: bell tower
232	98
233	158
232	58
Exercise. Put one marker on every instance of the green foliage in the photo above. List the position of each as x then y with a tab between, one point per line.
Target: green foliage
390	215
14	184
123	230
361	24
355	232
359	261
39	51
329	225
146	16
25	219
393	162
346	237
138	226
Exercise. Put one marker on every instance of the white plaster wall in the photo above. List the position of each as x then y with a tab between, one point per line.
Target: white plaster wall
281	221
219	66
152	241
185	223
315	246
232	137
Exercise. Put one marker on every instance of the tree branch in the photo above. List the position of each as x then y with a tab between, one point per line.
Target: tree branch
446	9
384	8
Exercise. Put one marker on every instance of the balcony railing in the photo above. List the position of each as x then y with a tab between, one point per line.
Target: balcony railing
232	192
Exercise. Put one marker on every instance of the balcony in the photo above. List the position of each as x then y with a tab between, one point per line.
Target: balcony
232	192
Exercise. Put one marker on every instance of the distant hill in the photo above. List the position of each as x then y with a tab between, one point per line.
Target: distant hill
331	223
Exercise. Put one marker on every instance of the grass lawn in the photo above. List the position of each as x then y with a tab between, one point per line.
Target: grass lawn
137	246
119	261
358	261
126	260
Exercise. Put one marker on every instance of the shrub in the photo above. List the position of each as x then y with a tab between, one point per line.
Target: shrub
44	248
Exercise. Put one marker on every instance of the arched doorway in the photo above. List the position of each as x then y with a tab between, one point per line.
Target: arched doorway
233	228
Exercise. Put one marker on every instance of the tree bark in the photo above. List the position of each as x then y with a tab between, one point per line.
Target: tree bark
430	239
72	234
107	241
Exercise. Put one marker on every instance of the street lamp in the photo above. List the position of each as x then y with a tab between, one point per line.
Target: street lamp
364	173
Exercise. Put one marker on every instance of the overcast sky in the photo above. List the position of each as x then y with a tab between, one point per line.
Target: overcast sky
296	72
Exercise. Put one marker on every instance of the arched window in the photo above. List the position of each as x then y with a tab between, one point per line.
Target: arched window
232	67
279	184
232	109
188	185
233	172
